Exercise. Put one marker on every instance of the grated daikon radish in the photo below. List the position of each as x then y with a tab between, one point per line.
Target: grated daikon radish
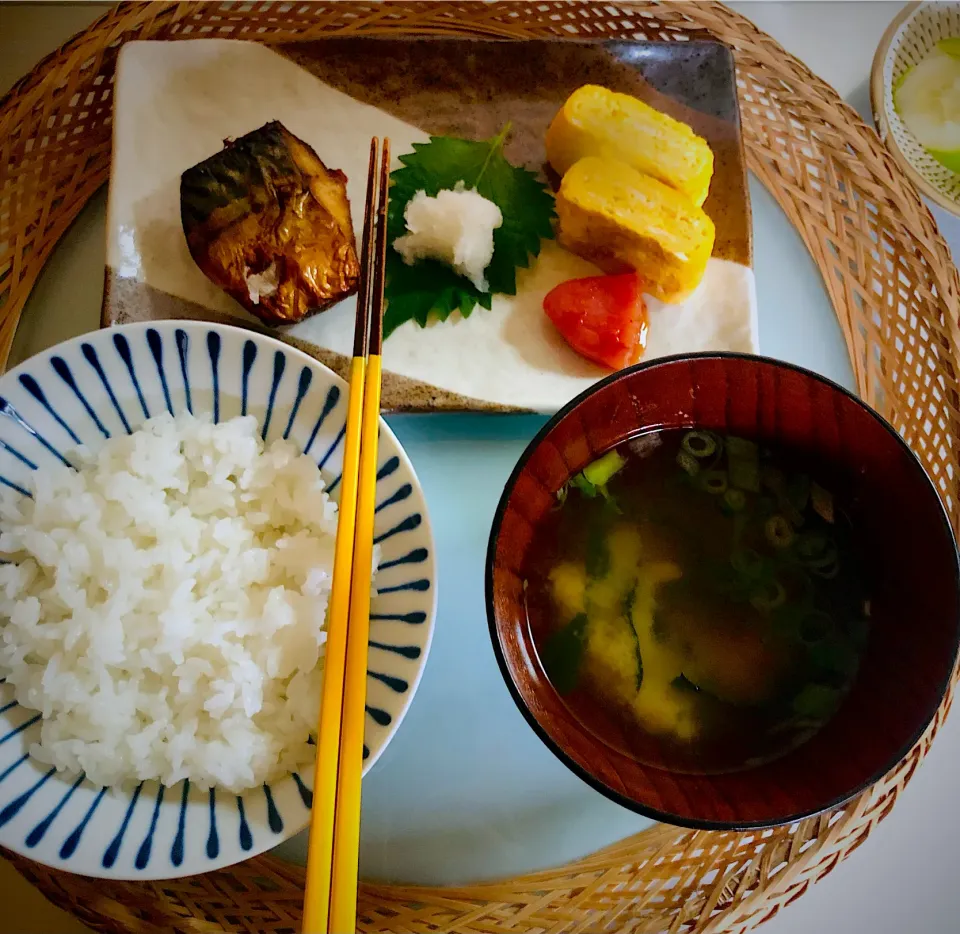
454	227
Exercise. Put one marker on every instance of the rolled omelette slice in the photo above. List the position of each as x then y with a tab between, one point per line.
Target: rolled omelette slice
597	122
617	217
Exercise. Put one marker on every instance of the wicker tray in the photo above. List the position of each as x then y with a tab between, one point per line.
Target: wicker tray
895	293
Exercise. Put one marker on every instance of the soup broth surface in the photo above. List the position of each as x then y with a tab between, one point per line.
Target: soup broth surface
697	599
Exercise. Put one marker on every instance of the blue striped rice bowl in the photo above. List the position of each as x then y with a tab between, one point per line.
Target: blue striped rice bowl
94	387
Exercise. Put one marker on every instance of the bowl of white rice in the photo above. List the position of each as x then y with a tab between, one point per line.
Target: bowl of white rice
168	513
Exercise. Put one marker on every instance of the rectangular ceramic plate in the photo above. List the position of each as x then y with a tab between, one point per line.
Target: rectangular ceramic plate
176	102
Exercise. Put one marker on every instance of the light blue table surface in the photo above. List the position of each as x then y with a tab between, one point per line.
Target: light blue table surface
466	790
913	851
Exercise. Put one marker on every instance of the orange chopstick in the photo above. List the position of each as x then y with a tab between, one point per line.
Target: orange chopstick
334	836
346	840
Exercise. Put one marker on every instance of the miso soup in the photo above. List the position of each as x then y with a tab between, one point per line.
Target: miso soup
697	599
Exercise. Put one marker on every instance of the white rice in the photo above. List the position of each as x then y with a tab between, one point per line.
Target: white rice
166	608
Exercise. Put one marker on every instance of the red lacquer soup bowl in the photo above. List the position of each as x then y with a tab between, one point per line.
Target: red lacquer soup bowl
905	541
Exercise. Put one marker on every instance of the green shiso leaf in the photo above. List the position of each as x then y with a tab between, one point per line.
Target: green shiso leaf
429	288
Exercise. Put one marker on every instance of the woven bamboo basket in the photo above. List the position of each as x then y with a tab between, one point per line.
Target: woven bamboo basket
891	282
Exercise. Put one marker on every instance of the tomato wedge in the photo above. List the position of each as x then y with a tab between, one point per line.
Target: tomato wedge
603	318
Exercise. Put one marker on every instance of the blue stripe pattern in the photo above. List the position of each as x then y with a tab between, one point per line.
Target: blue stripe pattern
36	835
417	556
407	651
306	795
8	411
333	397
12	768
63	371
274	820
109	383
143	854
10	449
123	349
70	844
246	838
388	468
113	850
379	716
420	586
249	355
19	729
33	387
415	617
279	365
16	487
90	355
408	525
155	343
213	838
176	854
183	348
399	496
213	348
395	684
303	384
11	810
326	457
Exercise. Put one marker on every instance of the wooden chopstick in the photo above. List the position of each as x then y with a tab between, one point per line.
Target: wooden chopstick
319	896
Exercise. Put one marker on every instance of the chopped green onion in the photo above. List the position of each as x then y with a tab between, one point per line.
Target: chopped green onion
609	500
779	532
584	485
743	464
601	471
715	481
816	549
821	557
734	500
688	463
769	598
562	493
699	444
825	560
592	480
